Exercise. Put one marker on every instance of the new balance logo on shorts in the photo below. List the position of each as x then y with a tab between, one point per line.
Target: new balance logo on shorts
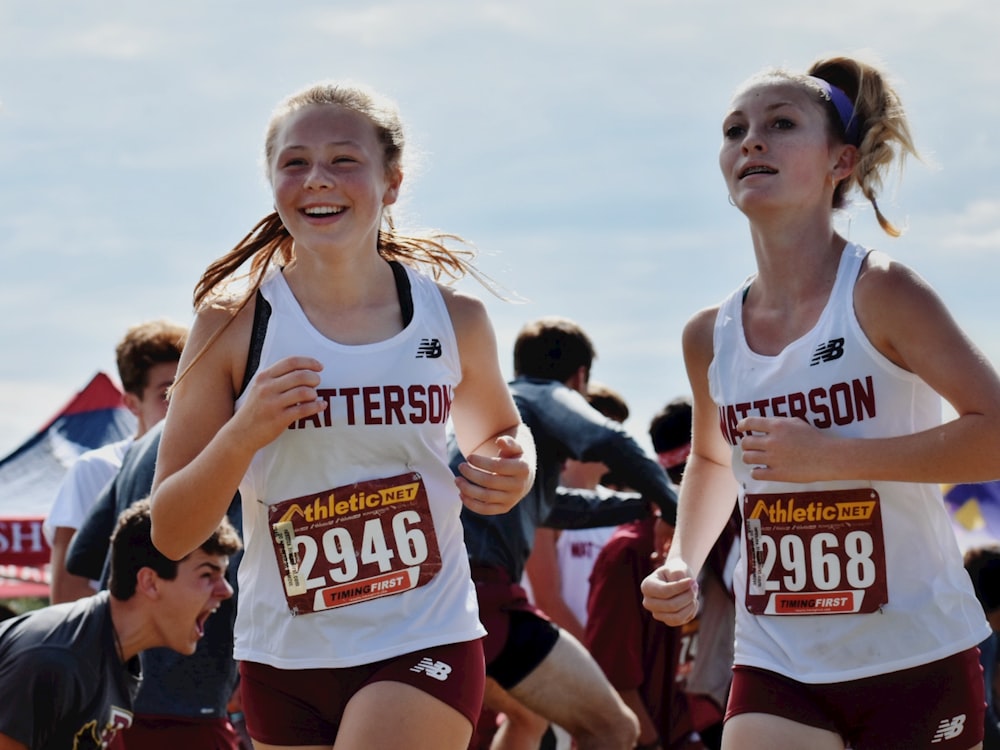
949	729
429	348
831	350
436	669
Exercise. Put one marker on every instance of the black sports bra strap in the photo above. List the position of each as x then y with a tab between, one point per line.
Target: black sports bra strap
262	313
403	291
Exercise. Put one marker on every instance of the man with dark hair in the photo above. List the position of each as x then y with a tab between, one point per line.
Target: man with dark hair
69	672
670	433
543	667
553	348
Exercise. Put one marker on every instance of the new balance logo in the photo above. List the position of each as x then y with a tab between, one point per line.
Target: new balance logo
429	348
831	350
949	729
436	669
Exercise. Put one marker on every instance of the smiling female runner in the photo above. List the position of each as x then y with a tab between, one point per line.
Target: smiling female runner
357	625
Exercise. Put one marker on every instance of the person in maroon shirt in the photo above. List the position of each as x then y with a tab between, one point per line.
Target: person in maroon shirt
645	661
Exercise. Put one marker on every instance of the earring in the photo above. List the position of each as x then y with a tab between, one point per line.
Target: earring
731	201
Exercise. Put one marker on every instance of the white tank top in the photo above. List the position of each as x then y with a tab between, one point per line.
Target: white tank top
577	551
365	492
875	564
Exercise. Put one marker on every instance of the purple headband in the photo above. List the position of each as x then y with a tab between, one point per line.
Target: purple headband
845	109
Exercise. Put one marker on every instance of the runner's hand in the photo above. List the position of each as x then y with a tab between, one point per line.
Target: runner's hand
787	449
670	593
278	396
492	485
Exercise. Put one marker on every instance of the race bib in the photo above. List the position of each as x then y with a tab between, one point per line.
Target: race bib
354	543
815	553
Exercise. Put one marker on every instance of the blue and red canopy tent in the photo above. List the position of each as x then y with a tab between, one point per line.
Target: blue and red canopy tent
30	476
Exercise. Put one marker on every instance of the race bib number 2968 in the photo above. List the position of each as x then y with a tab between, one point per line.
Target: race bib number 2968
815	553
354	543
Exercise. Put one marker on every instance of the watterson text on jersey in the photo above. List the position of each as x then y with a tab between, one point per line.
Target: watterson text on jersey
838	404
381	404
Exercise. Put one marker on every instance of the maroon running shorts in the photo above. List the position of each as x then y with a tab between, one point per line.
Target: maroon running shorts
938	705
305	706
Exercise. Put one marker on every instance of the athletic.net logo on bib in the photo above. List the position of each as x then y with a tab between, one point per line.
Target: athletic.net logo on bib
354	543
815	553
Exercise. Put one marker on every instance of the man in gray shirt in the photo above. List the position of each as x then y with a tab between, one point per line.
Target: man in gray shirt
69	672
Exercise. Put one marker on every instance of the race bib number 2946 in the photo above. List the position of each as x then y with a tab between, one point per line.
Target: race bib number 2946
354	543
815	553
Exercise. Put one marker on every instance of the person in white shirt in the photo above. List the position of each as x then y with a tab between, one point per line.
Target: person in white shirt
147	359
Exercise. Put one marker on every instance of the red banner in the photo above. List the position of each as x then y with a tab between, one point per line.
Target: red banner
24	558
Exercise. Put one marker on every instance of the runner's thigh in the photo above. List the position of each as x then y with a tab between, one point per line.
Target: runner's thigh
391	715
769	732
569	688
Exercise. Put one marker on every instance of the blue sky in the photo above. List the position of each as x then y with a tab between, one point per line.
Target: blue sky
574	142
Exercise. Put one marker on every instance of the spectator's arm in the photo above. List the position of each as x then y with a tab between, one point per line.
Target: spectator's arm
576	508
625	458
65	587
587	435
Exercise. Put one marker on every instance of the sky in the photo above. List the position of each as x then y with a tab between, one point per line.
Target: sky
574	142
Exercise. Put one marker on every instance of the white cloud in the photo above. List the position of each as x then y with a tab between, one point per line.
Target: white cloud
112	41
975	231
